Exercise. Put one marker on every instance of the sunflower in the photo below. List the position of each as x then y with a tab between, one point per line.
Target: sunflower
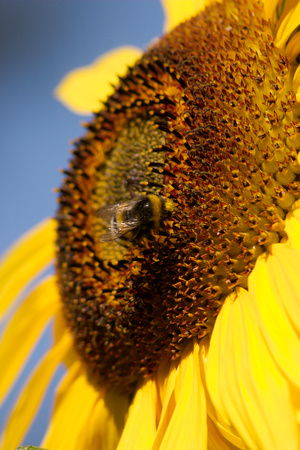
185	332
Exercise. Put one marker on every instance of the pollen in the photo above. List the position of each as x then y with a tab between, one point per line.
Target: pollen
206	119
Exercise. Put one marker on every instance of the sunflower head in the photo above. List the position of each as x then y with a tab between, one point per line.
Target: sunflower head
204	122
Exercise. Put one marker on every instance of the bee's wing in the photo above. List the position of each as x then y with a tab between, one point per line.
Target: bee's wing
109	236
114	233
117	230
107	212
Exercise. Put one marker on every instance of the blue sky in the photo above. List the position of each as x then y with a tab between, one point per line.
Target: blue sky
40	41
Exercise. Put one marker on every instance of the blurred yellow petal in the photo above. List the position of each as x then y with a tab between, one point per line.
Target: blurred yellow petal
82	89
59	330
177	11
140	428
31	397
24	330
105	423
25	259
75	401
66	383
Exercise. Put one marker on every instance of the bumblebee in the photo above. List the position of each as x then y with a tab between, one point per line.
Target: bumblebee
134	219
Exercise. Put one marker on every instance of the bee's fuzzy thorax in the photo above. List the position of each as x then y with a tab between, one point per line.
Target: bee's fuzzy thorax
205	120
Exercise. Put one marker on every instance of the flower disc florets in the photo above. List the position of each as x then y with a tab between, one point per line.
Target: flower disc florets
204	119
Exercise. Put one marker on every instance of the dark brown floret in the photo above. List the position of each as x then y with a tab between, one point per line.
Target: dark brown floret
205	119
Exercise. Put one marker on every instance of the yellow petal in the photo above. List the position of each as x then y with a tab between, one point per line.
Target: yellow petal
249	393
31	397
287	37
25	260
252	367
166	377
82	89
252	372
296	85
293	48
106	422
75	400
292	226
217	441
187	427
140	428
289	22
60	326
215	375
270	7
73	373
24	329
177	11
278	307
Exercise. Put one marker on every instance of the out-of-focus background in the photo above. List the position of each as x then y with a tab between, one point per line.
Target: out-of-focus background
40	41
